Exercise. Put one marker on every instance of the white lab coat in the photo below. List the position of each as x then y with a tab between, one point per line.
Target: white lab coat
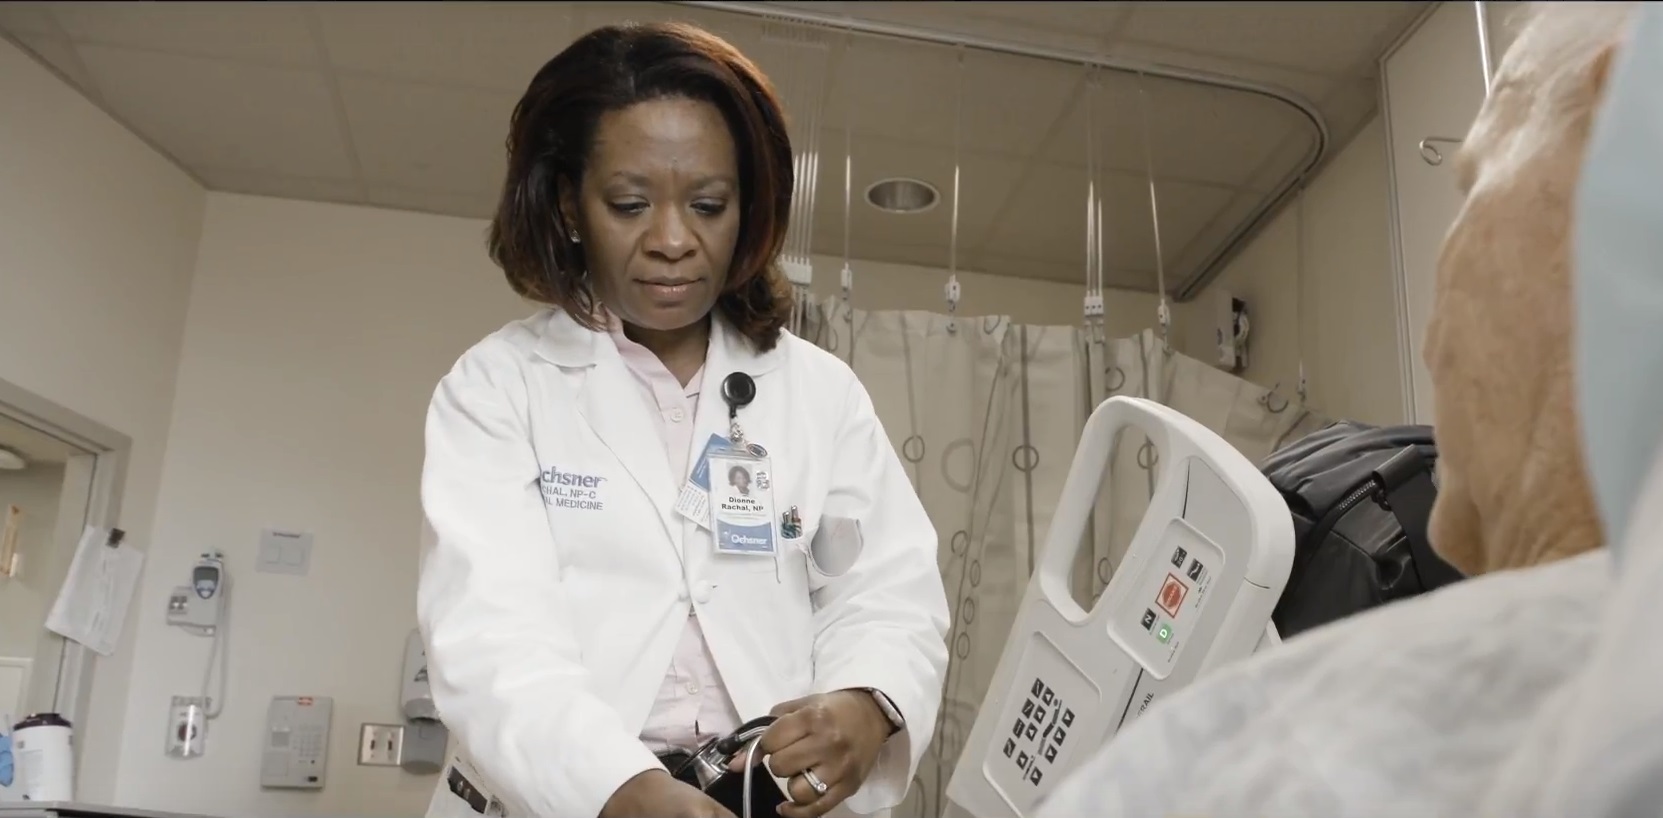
549	625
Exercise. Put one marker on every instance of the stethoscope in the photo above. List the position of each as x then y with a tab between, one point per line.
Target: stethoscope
710	763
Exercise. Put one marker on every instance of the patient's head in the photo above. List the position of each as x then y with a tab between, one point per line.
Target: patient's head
1513	490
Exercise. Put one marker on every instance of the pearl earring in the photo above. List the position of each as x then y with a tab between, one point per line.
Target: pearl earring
575	238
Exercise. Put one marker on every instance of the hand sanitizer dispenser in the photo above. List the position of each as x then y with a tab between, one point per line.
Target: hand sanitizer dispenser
416	698
425	737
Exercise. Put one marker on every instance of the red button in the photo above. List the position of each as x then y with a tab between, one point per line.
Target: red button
1172	595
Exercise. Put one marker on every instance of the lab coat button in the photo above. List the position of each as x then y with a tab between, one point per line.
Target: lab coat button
702	591
677	415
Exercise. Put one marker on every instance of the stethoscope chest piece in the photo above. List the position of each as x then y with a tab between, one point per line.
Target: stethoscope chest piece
736	791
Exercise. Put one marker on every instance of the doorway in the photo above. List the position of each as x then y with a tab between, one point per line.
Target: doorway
59	473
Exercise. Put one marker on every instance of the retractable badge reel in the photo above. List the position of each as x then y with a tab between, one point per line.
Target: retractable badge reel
738	390
698	494
741	483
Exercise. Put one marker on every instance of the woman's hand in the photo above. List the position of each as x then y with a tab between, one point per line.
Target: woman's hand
835	735
657	793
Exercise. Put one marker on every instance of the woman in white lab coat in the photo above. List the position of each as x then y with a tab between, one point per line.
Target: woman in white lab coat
583	625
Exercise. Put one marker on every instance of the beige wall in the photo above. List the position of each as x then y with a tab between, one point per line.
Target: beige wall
1337	311
1434	86
315	337
99	238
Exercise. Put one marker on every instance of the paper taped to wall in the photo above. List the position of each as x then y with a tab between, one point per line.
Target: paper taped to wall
91	608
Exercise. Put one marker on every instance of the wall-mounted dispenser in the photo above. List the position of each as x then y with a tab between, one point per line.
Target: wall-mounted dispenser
418	745
425	737
1230	332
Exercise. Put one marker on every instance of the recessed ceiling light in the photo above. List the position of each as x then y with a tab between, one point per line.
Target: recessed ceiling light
12	461
902	195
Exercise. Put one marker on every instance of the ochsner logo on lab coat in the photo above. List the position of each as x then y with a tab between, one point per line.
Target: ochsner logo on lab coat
567	489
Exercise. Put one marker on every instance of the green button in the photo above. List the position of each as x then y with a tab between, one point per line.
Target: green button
1164	632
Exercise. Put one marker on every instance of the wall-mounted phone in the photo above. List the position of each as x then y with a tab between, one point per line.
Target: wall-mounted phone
296	751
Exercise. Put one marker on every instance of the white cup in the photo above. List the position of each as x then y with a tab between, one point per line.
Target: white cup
43	750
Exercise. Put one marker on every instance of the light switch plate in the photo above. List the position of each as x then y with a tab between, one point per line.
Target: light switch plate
284	552
380	745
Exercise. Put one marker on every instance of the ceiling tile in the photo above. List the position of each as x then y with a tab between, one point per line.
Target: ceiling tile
742	31
1318	37
919	110
1191	254
1046	219
424	137
1049	20
917	254
28	18
1020	267
235	180
1276	169
1009	104
1070	26
423	147
1139	280
1350	105
1309	85
1197	133
487	45
225	114
274	32
985	182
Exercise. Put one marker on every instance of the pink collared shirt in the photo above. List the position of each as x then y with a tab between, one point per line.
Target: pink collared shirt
692	705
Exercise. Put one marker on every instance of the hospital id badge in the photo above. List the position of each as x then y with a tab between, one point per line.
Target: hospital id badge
693	502
741	504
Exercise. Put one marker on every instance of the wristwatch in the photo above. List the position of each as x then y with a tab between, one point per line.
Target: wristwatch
896	722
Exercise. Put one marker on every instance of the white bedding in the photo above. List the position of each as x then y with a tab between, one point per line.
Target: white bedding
1417	709
1535	693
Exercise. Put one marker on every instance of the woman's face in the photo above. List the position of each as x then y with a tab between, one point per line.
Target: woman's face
658	211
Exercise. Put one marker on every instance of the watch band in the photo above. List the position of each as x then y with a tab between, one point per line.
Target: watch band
897	722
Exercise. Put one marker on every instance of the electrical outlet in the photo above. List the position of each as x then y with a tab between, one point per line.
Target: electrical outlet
380	745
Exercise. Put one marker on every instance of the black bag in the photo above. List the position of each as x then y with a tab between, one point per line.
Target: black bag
1360	498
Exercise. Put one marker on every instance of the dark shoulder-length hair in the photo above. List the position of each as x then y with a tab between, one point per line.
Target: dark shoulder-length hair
551	135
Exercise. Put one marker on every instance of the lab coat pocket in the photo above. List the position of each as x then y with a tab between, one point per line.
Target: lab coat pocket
794	552
834	547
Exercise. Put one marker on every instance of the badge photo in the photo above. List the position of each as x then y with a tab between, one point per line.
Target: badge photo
741	507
